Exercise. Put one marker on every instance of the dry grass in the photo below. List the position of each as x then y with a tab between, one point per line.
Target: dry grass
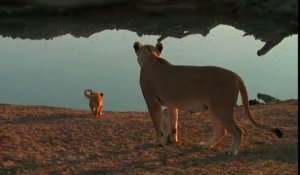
45	140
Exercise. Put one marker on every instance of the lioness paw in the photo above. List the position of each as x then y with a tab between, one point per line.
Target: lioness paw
204	145
231	152
172	139
161	141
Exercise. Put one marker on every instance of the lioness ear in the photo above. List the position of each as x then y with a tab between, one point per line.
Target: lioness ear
159	47
101	94
137	45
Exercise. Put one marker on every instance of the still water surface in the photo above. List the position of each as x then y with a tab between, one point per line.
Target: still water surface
55	72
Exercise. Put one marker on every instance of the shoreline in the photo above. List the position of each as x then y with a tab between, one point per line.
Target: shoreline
291	100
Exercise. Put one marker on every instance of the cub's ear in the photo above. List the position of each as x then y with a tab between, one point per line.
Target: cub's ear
159	47
137	45
101	94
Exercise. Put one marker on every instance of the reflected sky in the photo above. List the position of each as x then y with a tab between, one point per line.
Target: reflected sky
55	72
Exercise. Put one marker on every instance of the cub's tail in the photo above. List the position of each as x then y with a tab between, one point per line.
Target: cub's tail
244	95
87	93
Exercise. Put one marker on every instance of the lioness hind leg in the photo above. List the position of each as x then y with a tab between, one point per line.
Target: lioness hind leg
237	135
155	113
172	125
218	134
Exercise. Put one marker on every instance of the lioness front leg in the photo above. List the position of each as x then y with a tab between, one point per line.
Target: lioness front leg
172	125
155	113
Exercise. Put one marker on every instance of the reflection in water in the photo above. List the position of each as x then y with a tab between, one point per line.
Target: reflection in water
55	72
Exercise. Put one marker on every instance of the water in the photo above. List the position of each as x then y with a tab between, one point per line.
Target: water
55	72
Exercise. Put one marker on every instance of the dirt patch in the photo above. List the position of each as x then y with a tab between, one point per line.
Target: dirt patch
45	140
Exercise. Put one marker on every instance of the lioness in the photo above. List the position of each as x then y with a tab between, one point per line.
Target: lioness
95	101
193	89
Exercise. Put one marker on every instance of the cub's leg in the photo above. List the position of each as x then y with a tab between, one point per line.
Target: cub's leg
99	110
218	134
155	113
172	125
101	113
93	110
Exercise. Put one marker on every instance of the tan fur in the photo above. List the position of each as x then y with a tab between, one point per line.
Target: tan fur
95	101
193	89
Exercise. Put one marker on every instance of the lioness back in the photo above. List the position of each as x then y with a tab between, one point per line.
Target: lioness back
180	83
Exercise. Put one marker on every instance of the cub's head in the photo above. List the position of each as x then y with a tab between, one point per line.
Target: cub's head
144	52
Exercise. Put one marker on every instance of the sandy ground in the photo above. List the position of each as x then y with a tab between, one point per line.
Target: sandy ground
46	140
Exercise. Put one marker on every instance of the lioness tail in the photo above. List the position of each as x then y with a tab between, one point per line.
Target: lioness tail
246	106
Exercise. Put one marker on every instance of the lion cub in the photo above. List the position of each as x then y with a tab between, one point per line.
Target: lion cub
95	101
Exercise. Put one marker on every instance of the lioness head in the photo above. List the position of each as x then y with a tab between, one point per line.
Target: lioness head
145	52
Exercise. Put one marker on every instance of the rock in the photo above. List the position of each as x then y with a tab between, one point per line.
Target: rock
270	21
253	102
267	98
